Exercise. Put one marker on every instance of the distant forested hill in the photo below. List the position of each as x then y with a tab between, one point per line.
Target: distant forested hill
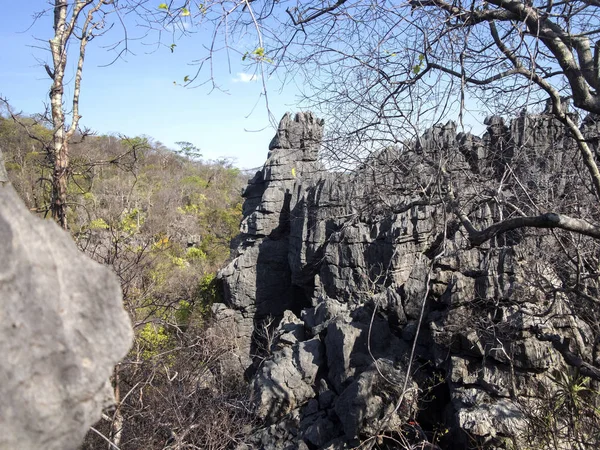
162	220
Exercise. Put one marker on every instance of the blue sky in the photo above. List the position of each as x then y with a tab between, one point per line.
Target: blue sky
137	96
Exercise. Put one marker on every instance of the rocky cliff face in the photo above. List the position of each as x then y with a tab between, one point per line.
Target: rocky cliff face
62	330
364	314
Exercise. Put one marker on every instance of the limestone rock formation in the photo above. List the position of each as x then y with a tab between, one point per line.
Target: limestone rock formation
339	277
259	280
62	330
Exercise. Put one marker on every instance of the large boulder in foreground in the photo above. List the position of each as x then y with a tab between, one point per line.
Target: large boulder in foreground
62	330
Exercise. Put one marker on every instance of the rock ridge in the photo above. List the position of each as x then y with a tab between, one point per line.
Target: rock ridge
337	273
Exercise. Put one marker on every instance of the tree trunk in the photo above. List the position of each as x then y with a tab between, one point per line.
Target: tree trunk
59	184
118	421
60	150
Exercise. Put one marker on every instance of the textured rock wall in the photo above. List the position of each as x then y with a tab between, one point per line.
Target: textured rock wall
352	267
62	330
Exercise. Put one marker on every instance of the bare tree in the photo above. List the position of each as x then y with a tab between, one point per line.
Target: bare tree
80	22
424	52
76	24
382	72
385	71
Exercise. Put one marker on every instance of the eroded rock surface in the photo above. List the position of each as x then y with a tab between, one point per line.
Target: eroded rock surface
62	330
357	266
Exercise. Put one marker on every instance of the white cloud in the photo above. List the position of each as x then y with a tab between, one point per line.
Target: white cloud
180	25
243	77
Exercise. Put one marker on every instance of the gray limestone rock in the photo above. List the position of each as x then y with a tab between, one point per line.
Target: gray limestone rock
286	380
373	401
303	133
361	258
62	330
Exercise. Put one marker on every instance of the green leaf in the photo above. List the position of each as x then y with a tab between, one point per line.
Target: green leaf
172	47
98	224
186	78
163	6
185	12
418	67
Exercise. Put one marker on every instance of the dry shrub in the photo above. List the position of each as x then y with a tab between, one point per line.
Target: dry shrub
183	396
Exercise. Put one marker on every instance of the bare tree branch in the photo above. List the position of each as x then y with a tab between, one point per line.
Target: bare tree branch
548	221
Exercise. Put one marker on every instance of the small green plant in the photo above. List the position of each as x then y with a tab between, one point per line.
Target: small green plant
573	390
195	254
154	339
208	292
12	166
568	415
183	313
98	224
131	221
178	261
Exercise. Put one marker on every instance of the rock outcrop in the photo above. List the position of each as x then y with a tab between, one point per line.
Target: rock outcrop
363	310
62	330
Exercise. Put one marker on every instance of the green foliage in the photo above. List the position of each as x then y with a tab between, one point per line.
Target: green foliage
153	339
257	55
131	221
567	414
573	390
178	261
208	292
12	166
32	156
158	274
182	11
418	67
98	224
195	254
183	313
137	142
194	180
